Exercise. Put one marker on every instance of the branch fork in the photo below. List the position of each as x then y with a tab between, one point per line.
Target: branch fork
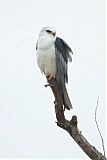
71	126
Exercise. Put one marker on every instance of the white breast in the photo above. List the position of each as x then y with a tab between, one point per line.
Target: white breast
46	57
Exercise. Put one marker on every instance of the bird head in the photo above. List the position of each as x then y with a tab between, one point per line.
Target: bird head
48	30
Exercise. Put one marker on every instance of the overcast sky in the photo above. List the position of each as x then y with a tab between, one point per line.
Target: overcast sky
27	117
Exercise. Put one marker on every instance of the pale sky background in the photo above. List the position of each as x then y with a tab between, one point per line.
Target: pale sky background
27	117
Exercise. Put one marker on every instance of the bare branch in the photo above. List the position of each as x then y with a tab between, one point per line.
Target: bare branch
98	127
71	126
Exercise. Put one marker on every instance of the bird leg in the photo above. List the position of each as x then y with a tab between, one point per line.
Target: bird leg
50	76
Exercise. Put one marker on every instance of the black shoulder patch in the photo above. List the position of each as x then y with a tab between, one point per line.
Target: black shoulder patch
63	48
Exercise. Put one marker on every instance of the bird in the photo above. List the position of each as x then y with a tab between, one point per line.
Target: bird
53	54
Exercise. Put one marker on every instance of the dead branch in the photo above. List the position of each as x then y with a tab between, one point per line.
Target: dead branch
98	127
71	126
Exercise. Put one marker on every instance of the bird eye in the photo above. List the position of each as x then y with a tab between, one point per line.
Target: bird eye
48	31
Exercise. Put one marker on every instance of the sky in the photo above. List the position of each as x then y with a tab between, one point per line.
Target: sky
27	116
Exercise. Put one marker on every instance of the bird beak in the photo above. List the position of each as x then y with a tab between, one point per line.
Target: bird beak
53	33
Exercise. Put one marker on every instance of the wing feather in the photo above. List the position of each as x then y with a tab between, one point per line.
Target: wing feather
62	56
64	49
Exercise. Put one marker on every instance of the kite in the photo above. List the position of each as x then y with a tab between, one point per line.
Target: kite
53	54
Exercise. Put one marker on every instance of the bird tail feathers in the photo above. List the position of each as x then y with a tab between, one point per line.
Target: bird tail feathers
67	102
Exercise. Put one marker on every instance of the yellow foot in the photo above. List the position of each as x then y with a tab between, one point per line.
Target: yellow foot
50	77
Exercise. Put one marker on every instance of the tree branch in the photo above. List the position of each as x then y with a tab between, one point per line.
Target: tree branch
71	126
98	127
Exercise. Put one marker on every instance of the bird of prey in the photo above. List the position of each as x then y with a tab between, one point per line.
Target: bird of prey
53	54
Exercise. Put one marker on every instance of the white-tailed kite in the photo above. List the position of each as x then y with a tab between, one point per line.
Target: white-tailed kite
52	58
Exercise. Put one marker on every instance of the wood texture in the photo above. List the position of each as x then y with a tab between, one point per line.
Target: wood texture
71	126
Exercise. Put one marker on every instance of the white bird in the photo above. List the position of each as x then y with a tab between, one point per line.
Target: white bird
52	58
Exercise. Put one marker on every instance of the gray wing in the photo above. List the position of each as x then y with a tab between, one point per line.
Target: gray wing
62	51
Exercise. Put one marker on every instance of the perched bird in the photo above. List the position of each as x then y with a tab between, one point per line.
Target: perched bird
52	58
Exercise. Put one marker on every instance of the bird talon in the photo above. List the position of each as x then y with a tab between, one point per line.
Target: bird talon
46	85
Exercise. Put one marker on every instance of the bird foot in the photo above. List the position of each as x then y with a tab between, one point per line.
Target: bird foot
49	77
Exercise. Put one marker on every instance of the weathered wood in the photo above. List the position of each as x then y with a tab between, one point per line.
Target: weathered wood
71	126
58	101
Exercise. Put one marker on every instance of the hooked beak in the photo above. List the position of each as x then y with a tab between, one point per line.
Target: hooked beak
53	33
